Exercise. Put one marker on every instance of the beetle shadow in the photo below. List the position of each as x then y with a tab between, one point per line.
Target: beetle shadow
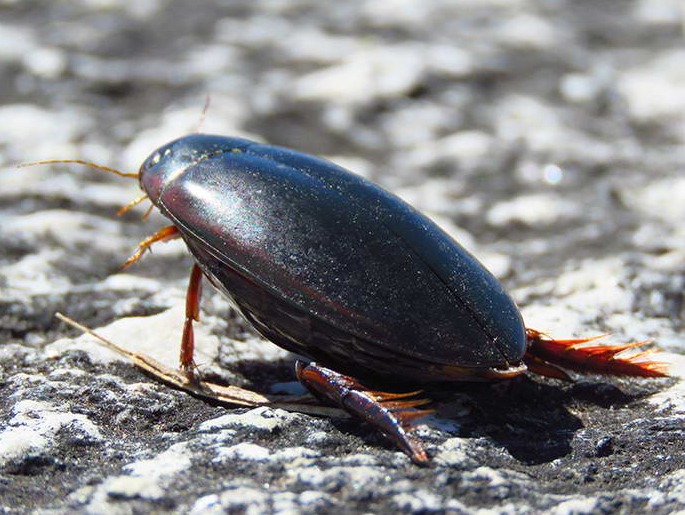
262	375
526	417
529	418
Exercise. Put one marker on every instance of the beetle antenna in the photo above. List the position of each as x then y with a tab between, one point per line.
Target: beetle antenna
80	162
203	115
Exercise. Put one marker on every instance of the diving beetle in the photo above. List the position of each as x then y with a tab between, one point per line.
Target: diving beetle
334	268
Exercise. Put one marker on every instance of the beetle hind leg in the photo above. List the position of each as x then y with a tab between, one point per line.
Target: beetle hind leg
394	414
548	356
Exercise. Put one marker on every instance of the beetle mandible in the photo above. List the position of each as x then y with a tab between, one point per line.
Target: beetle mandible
332	267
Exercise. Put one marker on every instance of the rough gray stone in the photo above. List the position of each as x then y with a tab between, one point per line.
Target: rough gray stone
548	137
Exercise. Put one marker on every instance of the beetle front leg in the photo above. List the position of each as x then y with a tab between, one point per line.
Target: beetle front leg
164	234
193	297
391	413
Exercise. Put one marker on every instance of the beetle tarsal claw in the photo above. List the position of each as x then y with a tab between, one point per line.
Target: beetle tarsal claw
582	355
192	373
392	413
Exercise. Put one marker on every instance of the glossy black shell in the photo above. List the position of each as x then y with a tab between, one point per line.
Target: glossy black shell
326	264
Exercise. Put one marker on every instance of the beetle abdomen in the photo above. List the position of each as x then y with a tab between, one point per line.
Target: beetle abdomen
341	251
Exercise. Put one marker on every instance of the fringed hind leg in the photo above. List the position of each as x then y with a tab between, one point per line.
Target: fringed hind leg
394	414
549	357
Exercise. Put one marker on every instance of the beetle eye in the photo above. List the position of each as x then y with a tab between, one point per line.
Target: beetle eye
156	158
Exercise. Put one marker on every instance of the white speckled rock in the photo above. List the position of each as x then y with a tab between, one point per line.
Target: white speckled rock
549	141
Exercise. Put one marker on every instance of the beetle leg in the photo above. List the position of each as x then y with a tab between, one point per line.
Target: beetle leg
544	368
389	412
193	296
164	234
131	205
582	356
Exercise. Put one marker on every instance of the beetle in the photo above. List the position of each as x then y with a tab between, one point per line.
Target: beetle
330	266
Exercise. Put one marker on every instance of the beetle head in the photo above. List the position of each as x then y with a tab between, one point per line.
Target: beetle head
170	161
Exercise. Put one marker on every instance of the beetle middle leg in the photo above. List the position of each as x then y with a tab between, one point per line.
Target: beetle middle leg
391	413
193	296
